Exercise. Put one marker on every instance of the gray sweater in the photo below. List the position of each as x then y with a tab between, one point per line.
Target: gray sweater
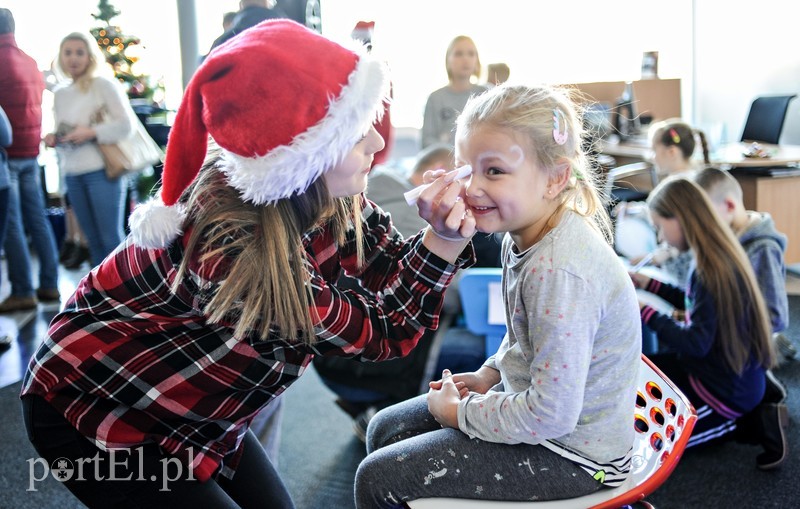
441	110
765	247
569	362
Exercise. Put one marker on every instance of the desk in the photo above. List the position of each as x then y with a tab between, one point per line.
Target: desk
727	157
775	190
626	152
733	156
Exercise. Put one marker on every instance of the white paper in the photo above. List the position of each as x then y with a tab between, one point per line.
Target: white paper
497	315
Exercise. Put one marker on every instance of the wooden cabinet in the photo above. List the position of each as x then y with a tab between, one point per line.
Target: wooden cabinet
660	98
780	196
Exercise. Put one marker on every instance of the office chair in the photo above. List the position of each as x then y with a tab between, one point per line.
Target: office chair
473	290
663	420
629	192
634	236
765	120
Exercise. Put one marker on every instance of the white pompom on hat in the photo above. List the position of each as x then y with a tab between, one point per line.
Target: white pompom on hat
285	105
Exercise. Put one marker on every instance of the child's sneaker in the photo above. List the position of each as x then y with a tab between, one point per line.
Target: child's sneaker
786	348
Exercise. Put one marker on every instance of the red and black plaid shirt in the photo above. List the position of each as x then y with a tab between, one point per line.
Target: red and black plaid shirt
128	361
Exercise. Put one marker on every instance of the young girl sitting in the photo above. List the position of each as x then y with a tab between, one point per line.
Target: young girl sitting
549	415
722	348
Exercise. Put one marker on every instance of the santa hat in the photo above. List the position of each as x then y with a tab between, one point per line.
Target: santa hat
284	104
363	32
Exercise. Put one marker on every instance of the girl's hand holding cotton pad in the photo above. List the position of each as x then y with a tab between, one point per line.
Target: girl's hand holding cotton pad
413	195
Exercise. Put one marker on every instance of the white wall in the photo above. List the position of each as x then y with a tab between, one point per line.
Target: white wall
741	50
744	50
564	41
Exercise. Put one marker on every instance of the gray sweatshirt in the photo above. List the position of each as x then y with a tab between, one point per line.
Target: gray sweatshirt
765	246
441	110
569	362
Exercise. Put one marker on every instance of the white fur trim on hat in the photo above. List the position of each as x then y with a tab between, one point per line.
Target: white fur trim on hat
291	168
155	225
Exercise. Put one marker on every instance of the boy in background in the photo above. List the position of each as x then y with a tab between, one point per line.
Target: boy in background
763	243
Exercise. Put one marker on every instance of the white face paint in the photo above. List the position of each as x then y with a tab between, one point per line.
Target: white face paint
512	158
507	190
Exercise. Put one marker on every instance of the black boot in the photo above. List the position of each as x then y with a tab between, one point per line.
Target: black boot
775	391
772	420
80	255
67	251
748	428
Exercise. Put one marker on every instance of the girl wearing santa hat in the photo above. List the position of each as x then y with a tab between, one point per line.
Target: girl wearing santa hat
144	388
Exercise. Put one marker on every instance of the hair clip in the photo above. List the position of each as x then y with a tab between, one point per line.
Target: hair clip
675	136
558	136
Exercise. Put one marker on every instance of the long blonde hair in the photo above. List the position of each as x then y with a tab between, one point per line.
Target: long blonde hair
96	61
452	46
723	268
530	111
266	287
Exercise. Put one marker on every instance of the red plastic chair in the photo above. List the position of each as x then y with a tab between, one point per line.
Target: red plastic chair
664	420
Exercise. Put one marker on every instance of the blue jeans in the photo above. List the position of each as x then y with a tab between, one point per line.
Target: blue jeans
461	352
3	213
26	212
354	394
649	341
98	203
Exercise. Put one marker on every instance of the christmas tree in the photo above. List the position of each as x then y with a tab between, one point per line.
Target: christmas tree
116	46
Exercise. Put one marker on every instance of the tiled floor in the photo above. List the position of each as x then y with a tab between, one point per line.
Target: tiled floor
28	327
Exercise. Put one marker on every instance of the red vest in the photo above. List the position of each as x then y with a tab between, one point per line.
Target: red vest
21	87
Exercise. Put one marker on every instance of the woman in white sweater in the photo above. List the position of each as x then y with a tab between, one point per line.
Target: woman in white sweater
90	109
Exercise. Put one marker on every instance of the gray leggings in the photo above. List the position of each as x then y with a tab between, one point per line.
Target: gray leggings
411	456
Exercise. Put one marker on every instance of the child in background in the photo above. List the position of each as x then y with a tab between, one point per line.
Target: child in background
674	144
765	247
227	288
721	351
444	105
497	74
362	388
549	415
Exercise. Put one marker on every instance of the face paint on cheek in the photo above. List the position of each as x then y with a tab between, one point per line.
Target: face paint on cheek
513	158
